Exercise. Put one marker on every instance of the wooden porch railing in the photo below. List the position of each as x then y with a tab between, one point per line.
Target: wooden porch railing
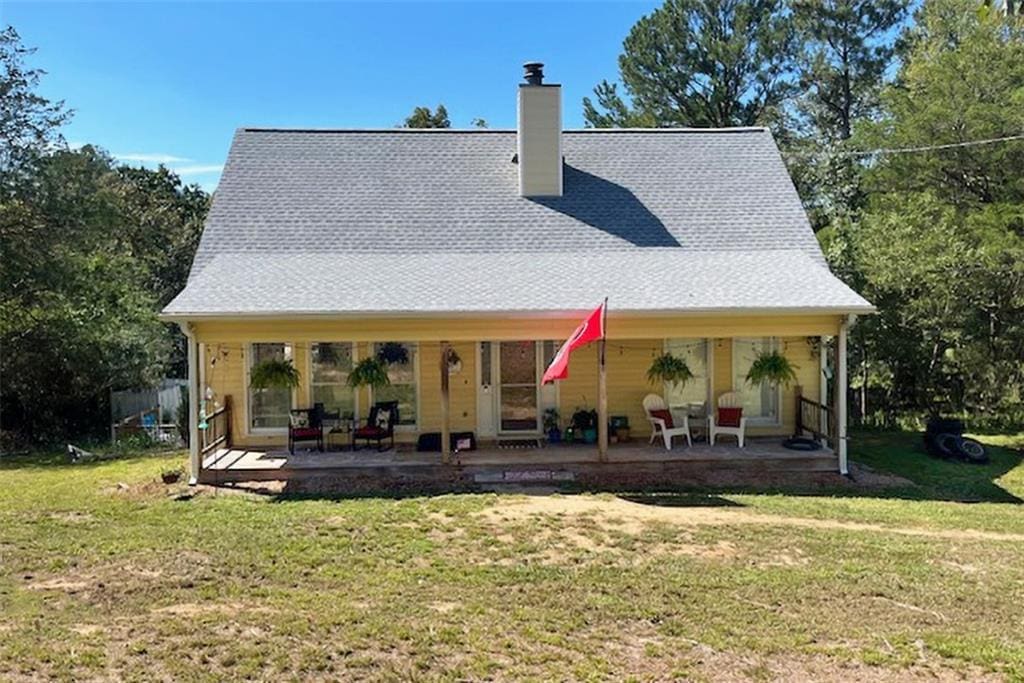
815	418
218	429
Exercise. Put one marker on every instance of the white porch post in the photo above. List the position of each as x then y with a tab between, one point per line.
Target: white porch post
193	404
841	392
823	386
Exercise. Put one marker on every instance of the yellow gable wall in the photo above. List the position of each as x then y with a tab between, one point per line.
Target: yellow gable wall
627	367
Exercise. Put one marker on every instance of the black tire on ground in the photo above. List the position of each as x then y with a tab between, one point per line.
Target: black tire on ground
972	451
946	446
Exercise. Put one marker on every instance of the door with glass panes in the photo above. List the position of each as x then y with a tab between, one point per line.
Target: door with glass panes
518	387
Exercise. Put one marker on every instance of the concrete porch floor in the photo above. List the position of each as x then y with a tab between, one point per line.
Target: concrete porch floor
238	464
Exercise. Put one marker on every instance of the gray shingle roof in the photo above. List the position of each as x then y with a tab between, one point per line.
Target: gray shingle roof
432	221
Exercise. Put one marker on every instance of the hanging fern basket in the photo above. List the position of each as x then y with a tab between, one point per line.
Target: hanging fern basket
393	353
772	368
369	372
670	370
274	373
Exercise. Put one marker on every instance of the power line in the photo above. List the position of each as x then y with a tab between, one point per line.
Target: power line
912	150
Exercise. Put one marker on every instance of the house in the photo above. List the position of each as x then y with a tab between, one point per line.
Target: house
321	245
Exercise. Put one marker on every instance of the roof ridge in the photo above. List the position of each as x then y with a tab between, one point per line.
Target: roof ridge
485	131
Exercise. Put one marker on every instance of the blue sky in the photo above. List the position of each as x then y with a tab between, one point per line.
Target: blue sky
170	82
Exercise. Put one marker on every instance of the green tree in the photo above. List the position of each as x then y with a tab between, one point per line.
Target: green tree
846	48
75	317
422	117
29	123
940	245
701	63
91	252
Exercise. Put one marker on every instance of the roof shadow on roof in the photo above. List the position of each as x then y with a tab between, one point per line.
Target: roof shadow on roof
609	207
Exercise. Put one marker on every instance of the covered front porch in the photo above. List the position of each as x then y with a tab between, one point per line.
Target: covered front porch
494	464
494	392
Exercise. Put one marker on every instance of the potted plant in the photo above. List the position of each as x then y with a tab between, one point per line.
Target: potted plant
669	369
393	353
551	425
585	422
619	427
276	373
172	476
771	367
369	372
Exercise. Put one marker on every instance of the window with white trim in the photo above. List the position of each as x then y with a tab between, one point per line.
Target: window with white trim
760	403
330	364
403	387
268	407
694	394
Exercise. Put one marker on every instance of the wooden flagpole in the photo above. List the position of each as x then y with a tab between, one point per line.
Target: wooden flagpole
446	446
602	390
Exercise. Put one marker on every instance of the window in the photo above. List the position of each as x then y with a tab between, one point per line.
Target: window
268	408
548	351
330	363
694	394
403	388
761	403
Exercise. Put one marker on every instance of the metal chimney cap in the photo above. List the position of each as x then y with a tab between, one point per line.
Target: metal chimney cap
534	72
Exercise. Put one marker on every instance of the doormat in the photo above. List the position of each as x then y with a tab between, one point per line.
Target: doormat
519	444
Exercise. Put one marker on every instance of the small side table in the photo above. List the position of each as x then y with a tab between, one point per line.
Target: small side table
341	429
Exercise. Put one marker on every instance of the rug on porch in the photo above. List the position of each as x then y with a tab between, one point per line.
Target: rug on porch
519	444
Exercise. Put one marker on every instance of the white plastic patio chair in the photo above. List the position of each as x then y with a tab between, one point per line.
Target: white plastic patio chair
727	400
653	402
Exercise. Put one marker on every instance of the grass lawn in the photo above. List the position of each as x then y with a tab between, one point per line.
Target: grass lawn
107	573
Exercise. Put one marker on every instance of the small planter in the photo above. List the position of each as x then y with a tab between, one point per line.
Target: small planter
554	435
590	435
622	433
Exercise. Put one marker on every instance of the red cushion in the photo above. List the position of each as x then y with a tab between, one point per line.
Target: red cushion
370	432
729	417
305	432
665	415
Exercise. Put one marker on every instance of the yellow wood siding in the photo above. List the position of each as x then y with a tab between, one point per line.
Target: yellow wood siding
461	385
627	366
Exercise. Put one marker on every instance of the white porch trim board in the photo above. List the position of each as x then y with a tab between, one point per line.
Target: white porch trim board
193	404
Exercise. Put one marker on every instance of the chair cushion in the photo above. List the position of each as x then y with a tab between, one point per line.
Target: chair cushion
298	419
371	432
383	419
305	432
729	417
665	415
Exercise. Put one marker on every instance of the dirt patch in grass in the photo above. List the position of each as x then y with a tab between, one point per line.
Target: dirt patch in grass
193	609
72	517
96	579
631	517
64	584
729	667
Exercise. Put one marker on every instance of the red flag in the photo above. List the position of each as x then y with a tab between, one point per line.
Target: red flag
589	330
